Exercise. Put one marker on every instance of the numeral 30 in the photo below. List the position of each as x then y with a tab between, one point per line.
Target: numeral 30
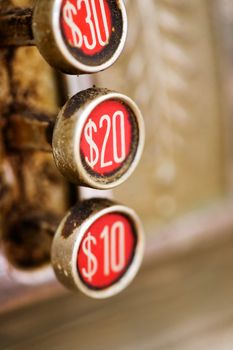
92	20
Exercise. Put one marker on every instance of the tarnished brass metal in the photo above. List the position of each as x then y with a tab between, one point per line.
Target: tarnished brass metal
35	101
33	195
27	134
15	27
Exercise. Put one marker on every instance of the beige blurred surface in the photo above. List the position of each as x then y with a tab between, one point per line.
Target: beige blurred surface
169	68
181	302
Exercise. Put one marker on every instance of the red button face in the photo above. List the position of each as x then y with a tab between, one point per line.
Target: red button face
92	29
87	25
106	251
108	137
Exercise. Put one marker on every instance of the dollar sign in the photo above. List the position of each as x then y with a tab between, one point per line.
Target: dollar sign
90	127
92	263
68	11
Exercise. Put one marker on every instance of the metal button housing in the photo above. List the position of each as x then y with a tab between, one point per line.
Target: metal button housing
80	36
98	138
98	248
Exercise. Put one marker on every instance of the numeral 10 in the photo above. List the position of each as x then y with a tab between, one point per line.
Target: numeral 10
114	238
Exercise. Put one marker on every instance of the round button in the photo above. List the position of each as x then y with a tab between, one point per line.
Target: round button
98	138
80	36
98	248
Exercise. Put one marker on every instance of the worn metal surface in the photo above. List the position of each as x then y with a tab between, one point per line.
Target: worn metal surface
16	27
33	196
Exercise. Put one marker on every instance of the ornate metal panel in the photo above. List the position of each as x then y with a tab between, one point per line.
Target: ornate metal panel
170	69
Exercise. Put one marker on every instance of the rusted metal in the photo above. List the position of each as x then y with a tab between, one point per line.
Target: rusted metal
33	195
31	103
29	132
16	27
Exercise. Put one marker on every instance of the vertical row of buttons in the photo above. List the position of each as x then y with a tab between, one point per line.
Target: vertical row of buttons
97	142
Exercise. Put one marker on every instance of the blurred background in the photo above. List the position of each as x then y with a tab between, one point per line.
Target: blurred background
178	67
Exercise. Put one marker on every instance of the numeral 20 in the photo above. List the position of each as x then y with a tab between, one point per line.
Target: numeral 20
107	120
